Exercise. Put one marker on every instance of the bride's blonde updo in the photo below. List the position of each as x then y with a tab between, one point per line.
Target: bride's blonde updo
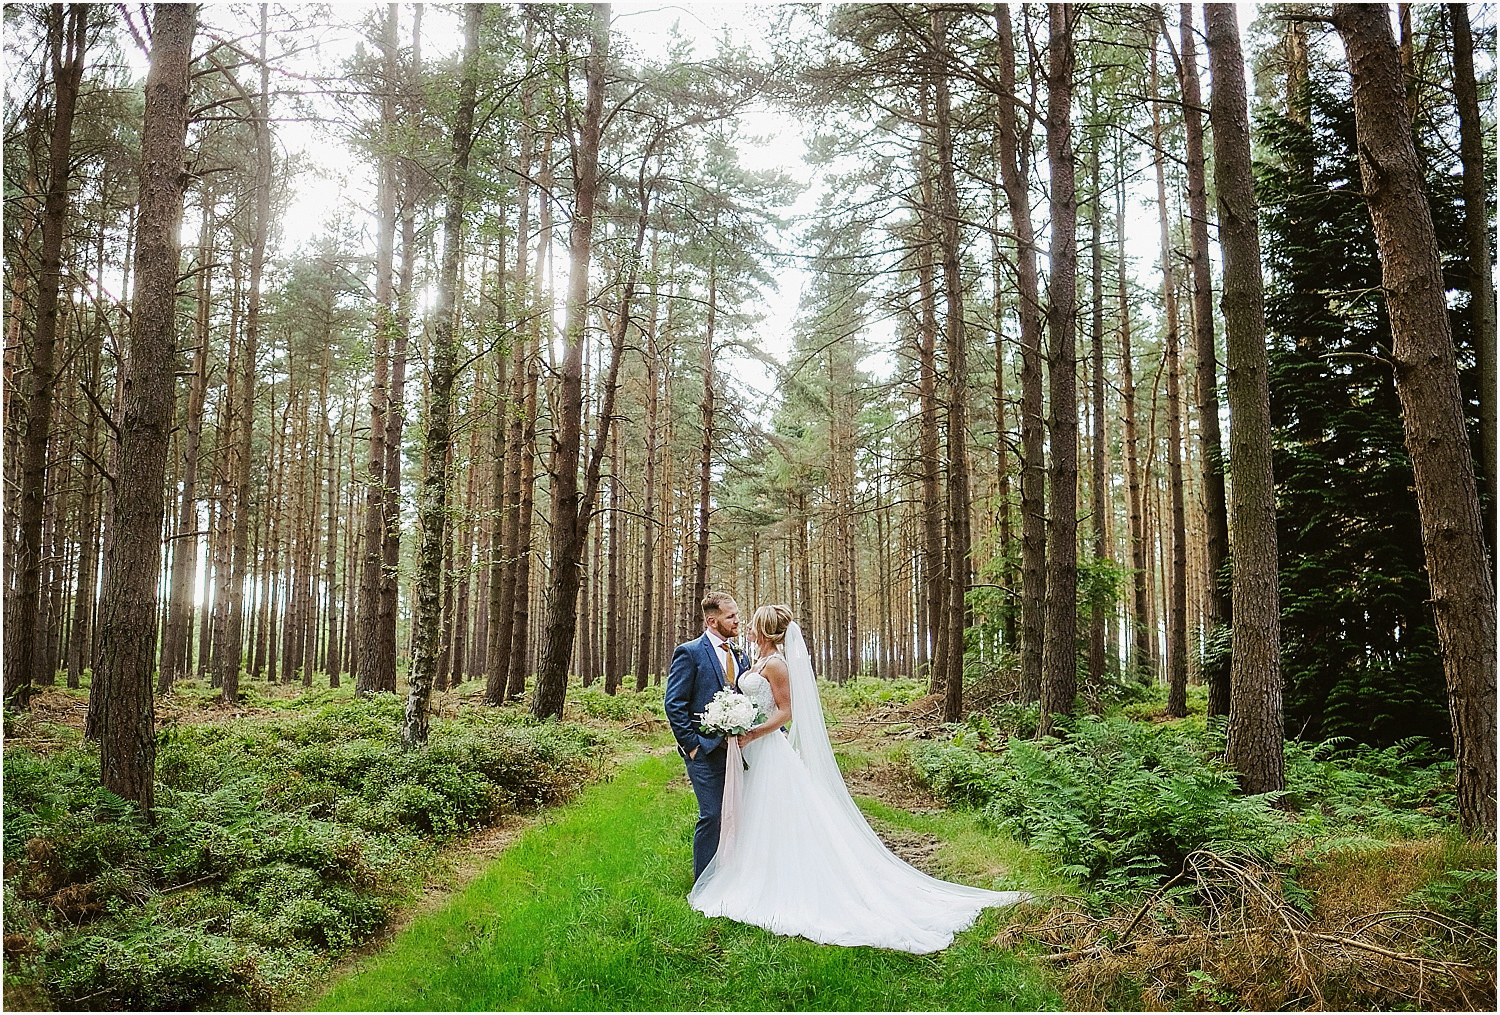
771	622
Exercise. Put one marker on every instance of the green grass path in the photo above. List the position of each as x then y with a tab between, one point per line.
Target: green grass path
588	911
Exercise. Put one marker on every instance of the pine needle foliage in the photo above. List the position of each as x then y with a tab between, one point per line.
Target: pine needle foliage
1359	645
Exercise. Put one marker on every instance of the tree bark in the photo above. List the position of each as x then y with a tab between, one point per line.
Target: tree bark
614	635
1098	483
432	495
1177	586
127	627
1255	736
1059	652
1422	357
706	446
369	665
67	45
395	413
1218	609
1014	155
648	620
174	642
228	667
958	390
931	638
569	525
81	636
1142	662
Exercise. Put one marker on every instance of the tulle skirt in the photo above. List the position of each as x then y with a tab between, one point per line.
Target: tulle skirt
797	860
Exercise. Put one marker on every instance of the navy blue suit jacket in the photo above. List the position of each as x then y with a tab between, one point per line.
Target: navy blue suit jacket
696	675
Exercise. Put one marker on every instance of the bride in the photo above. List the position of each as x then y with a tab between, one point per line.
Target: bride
795	854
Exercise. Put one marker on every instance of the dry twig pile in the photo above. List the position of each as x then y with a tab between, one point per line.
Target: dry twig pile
1228	939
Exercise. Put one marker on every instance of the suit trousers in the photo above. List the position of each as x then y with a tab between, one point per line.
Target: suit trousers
706	773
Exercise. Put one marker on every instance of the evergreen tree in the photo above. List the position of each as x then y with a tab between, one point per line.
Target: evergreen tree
1360	651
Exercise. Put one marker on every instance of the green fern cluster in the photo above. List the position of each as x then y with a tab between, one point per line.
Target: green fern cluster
276	846
1117	804
1405	790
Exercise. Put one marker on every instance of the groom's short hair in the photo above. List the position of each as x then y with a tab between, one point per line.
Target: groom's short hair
713	603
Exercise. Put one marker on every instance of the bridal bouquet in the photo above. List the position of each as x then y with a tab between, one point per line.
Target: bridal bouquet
730	713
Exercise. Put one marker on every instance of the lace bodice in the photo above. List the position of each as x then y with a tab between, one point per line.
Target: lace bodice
758	689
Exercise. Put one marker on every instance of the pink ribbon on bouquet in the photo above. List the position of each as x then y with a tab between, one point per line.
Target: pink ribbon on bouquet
734	768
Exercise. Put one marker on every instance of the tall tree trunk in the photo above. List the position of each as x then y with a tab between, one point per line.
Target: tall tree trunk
520	654
1143	659
614	611
1098	610
174	642
395	414
569	523
1218	608
229	660
510	429
706	447
333	649
643	660
1477	241
68	40
1177	585
932	640
1015	155
1002	432
1255	737
127	623
369	664
958	389
1059	654
80	639
432	495
1463	590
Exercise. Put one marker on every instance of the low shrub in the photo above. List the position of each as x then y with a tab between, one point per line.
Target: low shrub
866	693
622	706
276	846
1117	804
1405	790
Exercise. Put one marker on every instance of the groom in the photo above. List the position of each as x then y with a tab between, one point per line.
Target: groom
701	668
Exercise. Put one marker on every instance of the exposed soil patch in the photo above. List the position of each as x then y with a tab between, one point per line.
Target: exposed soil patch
916	848
893	784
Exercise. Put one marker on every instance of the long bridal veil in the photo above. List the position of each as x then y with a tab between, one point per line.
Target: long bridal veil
809	733
809	736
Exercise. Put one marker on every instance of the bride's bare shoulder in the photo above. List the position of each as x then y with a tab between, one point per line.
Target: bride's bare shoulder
774	668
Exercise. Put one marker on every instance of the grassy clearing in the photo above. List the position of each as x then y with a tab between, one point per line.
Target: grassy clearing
588	911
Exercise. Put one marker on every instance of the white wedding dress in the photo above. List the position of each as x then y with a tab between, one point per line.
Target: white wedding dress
797	857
